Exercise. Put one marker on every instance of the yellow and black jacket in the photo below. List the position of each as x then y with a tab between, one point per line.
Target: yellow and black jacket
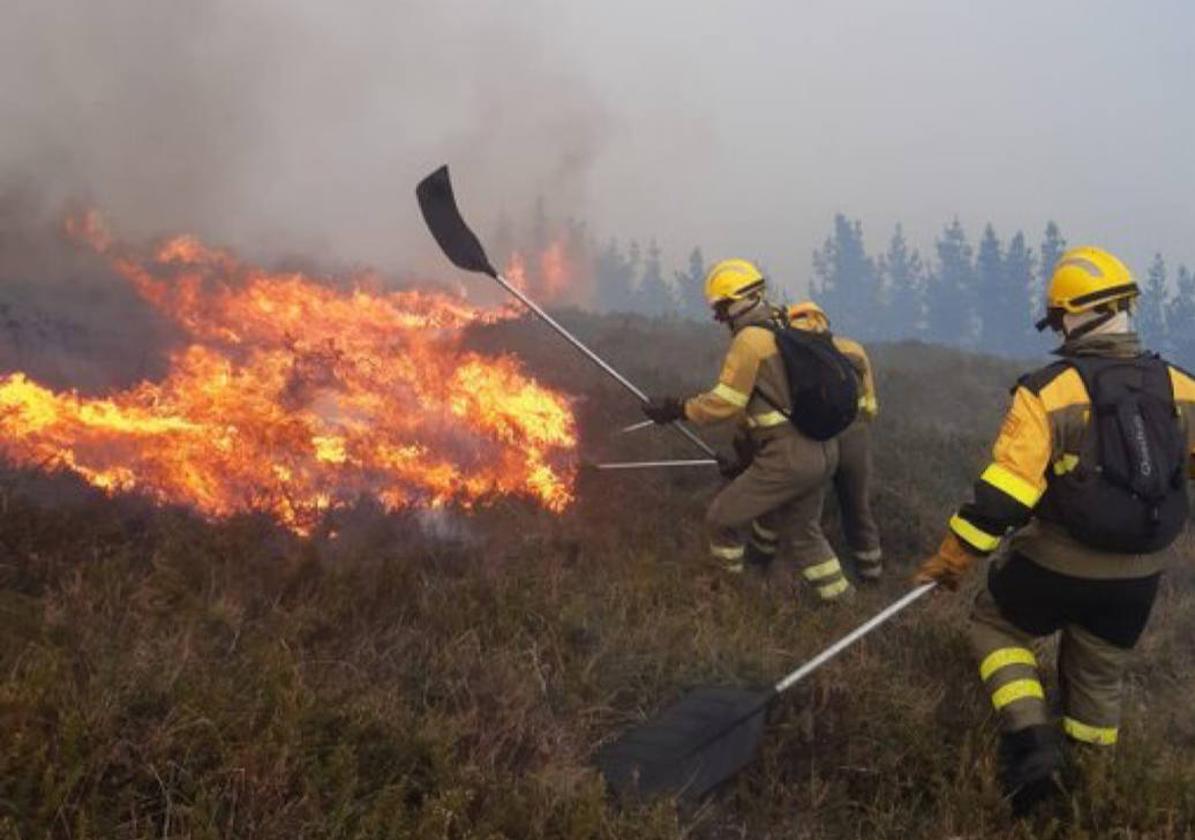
752	384
1042	435
869	406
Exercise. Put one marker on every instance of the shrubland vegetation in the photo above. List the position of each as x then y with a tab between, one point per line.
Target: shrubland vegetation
448	675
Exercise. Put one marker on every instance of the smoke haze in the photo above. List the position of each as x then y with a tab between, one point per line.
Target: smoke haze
288	127
300	127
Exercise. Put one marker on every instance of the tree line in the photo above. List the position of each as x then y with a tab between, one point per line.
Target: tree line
983	297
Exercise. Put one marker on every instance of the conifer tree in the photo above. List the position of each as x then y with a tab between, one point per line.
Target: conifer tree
951	315
634	262
1151	307
578	253
903	289
1053	246
1020	271
613	277
690	287
995	295
845	280
654	295
1182	321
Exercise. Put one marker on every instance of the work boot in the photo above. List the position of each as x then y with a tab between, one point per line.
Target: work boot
1031	764
869	565
758	557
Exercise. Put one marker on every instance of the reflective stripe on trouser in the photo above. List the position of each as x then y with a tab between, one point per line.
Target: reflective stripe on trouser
1023	601
852	487
1091	672
869	564
781	491
827	578
1007	666
762	545
730	556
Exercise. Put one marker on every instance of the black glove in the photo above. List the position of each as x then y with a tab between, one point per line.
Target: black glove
731	467
664	409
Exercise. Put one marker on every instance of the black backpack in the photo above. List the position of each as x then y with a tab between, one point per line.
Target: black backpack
1128	492
822	382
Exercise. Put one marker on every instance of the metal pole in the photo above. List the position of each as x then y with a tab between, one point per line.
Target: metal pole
846	641
634	427
646	465
597	360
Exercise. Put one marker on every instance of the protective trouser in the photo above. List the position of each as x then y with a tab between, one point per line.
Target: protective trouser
783	489
1100	621
852	485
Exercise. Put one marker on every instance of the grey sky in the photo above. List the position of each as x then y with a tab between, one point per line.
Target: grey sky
297	126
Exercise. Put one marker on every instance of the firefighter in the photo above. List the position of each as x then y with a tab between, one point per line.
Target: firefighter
852	481
1089	483
782	486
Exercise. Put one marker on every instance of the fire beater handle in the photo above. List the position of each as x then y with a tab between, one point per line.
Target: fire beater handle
596	359
634	427
437	202
648	465
852	637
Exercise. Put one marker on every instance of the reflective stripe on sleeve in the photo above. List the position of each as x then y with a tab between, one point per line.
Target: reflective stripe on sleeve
972	536
1104	736
735	398
1002	658
1017	690
1009	483
766	420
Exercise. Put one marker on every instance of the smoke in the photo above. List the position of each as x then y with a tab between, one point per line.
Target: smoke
292	127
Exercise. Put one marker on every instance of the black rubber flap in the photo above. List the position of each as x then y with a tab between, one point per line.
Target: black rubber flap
454	237
688	749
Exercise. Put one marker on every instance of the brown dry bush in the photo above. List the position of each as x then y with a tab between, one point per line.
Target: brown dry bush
161	676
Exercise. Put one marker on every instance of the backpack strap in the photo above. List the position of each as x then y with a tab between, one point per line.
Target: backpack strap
1037	380
774	326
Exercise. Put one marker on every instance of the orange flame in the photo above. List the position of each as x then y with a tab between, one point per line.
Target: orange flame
548	277
554	270
295	397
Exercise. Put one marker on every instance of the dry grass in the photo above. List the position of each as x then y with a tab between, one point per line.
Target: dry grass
165	677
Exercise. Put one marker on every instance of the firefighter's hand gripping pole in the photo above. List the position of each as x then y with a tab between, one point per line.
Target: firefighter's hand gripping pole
461	246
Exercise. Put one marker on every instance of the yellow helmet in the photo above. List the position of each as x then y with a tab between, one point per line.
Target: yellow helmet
732	280
1084	278
813	316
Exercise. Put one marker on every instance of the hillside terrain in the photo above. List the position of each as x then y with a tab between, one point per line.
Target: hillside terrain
448	674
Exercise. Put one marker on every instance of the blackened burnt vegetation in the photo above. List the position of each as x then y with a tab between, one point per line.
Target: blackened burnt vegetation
65	320
448	675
